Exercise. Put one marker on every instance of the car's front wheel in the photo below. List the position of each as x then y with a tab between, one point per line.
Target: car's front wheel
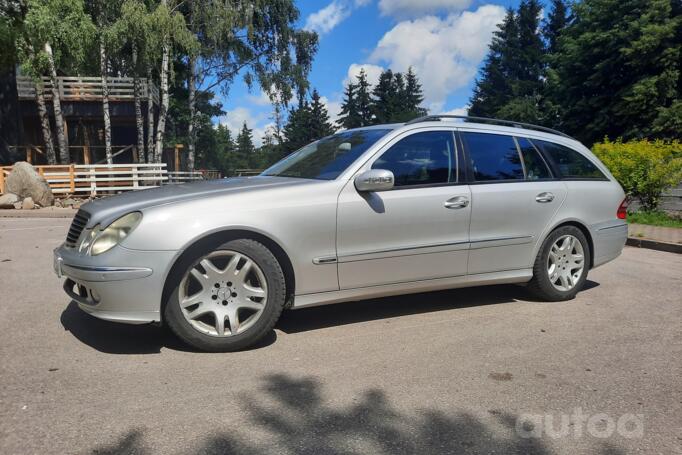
561	266
227	298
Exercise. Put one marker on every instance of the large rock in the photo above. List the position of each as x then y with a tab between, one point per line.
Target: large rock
25	182
8	200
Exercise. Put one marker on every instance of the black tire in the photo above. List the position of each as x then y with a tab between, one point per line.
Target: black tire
540	284
276	294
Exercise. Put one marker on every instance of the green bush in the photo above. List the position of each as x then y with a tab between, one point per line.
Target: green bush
643	168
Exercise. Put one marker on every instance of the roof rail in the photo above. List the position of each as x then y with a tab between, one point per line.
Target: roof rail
494	121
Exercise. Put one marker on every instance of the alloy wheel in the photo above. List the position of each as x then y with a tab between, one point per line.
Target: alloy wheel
565	263
223	294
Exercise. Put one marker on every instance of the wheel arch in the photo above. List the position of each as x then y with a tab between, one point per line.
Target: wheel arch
214	239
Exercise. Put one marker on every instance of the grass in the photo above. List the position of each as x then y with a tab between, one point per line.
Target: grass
656	218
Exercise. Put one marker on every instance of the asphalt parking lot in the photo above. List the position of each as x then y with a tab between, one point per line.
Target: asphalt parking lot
465	371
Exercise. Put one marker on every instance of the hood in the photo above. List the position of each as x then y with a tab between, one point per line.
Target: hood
108	209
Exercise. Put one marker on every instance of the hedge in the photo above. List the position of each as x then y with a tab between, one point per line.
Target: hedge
644	168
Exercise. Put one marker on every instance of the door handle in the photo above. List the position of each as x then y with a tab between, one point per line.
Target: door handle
544	197
457	202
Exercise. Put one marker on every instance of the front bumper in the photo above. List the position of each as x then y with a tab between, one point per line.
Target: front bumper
129	293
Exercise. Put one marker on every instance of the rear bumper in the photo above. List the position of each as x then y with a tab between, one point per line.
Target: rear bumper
129	293
609	241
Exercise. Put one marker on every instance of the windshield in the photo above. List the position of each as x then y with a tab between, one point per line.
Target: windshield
327	158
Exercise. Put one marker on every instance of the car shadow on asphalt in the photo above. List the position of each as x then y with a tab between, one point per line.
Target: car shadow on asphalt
390	307
293	414
116	338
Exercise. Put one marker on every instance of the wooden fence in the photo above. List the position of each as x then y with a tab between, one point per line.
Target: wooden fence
95	179
75	88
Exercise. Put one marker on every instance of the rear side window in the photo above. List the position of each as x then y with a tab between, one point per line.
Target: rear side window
536	168
568	162
421	159
493	157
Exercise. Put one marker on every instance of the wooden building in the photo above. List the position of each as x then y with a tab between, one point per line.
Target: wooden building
81	103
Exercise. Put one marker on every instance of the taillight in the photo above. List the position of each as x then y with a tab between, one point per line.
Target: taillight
622	212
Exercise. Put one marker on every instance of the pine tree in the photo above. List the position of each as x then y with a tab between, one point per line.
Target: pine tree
245	148
620	70
557	20
384	98
364	99
350	115
493	88
531	49
320	126
413	96
297	128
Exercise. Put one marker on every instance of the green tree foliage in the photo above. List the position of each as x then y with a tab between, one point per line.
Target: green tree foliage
619	66
11	18
320	126
557	21
245	148
413	97
364	99
608	67
349	117
385	98
397	97
644	168
493	89
61	23
306	123
510	84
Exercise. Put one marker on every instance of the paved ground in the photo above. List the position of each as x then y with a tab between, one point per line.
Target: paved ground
463	371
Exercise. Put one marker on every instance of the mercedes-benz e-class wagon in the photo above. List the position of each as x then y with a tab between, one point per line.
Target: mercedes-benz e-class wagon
384	210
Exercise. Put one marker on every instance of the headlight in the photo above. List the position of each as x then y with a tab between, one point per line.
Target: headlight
99	241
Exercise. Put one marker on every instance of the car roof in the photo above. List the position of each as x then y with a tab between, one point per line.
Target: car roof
478	123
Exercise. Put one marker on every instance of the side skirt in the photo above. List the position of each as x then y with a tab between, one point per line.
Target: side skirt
412	287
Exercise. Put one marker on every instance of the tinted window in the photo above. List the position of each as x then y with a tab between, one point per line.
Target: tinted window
570	163
493	157
327	158
536	168
421	159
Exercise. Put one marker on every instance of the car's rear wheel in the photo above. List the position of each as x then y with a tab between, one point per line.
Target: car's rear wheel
561	266
228	298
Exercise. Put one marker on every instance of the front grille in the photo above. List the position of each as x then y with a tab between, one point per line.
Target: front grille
77	226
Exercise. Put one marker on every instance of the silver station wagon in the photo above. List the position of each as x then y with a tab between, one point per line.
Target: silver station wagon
384	210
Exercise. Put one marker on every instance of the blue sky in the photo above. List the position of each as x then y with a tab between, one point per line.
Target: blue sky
445	42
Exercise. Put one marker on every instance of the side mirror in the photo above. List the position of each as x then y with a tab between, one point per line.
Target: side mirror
374	180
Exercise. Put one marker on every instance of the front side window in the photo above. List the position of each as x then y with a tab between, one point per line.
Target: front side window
327	158
536	168
493	157
571	164
421	159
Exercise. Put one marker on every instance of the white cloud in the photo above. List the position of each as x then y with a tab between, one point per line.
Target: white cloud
373	72
235	118
324	20
457	111
444	52
415	8
260	100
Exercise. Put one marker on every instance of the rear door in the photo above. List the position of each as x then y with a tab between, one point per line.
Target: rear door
514	197
419	230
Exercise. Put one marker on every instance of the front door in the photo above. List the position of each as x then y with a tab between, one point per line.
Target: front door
419	230
513	197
